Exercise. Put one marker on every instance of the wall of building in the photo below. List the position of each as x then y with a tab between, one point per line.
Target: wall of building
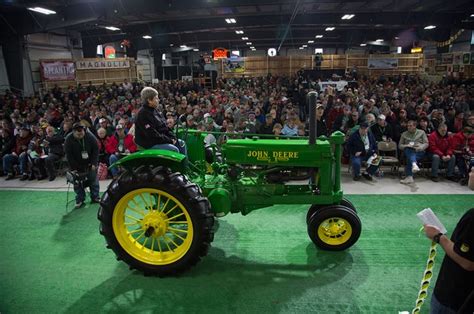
4	83
145	65
56	45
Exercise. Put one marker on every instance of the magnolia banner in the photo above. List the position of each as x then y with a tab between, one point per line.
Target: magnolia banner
57	70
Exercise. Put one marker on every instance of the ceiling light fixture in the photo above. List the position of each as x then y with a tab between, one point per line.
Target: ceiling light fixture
42	10
304	46
347	16
245	38
182	46
310	41
252	47
249	43
363	45
171	45
472	15
112	28
430	27
146	37
329	29
239	32
319	36
396	37
301	48
379	40
195	49
230	21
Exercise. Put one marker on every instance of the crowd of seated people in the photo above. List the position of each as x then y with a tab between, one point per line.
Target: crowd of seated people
428	121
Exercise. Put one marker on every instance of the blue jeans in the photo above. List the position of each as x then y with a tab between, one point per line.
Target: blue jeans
113	158
438	308
180	148
357	163
9	160
93	184
412	156
435	162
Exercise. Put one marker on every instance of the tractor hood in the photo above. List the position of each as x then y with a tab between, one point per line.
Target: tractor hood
280	152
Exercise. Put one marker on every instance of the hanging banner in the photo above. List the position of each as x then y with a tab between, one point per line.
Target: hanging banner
109	52
338	85
57	70
220	53
102	64
386	63
234	65
447	58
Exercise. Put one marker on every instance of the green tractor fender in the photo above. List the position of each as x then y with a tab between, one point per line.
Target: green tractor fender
155	157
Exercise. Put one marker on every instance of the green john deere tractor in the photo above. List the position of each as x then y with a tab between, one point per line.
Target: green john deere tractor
158	215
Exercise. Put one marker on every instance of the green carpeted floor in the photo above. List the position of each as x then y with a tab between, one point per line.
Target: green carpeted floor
56	261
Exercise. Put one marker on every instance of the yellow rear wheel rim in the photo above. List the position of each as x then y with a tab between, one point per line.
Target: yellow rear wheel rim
335	231
152	226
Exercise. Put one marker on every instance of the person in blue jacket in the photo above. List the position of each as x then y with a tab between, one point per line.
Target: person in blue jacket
362	147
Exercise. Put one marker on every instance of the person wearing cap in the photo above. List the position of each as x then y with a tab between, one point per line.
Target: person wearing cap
361	146
104	123
151	130
18	154
424	124
321	128
82	155
382	131
119	145
413	142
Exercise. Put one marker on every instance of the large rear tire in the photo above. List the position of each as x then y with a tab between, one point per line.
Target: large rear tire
334	228
156	221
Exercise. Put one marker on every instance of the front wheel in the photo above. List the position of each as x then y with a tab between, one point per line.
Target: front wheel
156	221
334	228
314	208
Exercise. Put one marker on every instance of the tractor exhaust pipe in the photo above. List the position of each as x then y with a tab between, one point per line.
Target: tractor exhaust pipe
311	101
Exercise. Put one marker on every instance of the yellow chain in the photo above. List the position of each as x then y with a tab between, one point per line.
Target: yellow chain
425	281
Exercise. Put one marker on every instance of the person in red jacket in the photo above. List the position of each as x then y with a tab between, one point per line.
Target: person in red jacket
463	148
440	147
118	145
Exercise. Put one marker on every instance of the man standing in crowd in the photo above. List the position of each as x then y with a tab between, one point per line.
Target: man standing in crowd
454	290
441	148
151	130
82	154
413	142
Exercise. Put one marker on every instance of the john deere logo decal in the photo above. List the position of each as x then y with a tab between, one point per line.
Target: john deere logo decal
464	248
273	157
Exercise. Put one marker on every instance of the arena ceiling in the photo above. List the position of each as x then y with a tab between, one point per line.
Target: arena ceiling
202	23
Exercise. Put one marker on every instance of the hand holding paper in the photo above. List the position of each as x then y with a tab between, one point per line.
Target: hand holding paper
428	217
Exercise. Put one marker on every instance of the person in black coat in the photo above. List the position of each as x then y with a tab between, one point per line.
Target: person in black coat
454	290
54	151
362	147
7	144
82	154
382	131
151	130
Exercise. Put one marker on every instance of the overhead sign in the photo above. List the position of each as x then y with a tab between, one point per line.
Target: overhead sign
272	52
109	52
220	53
338	85
102	64
385	63
417	50
57	70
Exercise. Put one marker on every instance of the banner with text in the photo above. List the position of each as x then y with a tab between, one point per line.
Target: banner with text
57	70
338	85
102	64
385	63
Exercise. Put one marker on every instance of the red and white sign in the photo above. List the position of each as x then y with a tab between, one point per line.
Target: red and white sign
58	70
220	53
